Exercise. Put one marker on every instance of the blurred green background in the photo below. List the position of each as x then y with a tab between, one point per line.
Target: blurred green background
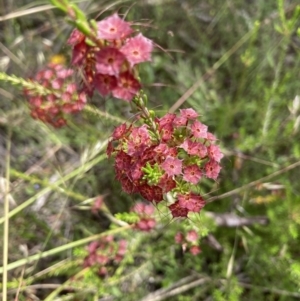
237	63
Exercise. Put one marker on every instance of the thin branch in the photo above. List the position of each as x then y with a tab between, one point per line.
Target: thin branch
6	223
254	183
177	288
26	12
270	290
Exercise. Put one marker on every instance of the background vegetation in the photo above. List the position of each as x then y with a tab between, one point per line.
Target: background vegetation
237	63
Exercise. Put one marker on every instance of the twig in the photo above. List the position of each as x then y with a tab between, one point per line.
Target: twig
254	183
6	223
179	287
47	286
270	290
233	220
26	12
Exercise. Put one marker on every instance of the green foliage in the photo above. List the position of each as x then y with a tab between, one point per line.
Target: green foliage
232	292
128	217
25	84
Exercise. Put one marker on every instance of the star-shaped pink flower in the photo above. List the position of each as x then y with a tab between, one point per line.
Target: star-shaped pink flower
137	49
214	152
189	113
177	210
212	169
113	28
105	83
172	166
194	148
199	130
127	86
191	202
192	174
109	61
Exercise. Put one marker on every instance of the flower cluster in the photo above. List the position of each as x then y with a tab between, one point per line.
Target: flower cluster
145	213
171	155
102	254
189	242
61	97
165	156
109	61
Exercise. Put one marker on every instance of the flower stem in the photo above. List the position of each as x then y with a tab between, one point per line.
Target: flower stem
140	101
6	221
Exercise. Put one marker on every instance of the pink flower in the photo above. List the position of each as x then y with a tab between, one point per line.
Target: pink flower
186	145
166	120
45	74
192	236
173	152
149	209
145	212
198	129
146	224
136	171
191	202
179	237
180	121
66	97
151	193
52	108
79	53
105	83
157	194
166	183
127	87
198	149
166	132
212	169
194	148
102	259
195	250
140	135
214	153
135	149
122	161
139	208
137	49
122	247
92	247
64	73
113	28
75	37
36	101
57	83
127	185
120	131
172	166
192	174
71	88
189	113
162	149
109	61
177	210
211	137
